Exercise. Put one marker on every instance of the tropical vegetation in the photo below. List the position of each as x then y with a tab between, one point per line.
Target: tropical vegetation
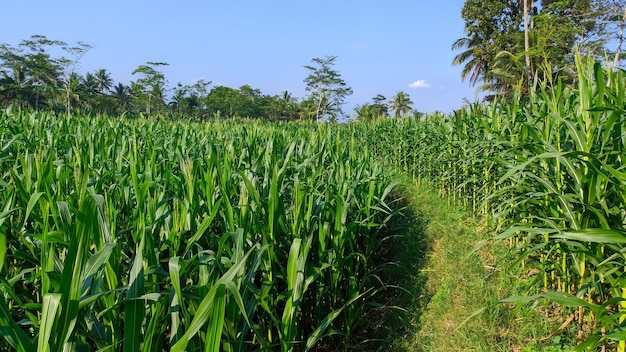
204	218
511	45
152	235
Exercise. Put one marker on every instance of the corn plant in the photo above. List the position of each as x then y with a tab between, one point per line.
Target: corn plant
549	171
142	235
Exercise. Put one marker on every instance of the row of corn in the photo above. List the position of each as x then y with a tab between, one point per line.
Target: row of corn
550	172
156	235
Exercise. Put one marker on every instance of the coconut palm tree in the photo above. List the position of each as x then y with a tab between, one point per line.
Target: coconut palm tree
401	104
89	89
15	88
122	94
103	80
475	58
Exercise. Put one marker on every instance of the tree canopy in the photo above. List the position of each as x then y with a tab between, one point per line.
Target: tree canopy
326	88
40	73
508	44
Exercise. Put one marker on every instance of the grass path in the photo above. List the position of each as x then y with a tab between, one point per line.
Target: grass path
456	287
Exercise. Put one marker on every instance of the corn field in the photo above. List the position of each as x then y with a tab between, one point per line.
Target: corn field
154	235
549	171
236	236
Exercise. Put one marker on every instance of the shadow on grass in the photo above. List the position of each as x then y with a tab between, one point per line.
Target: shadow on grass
449	278
402	259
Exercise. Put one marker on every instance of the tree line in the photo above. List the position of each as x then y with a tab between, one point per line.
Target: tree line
512	45
41	74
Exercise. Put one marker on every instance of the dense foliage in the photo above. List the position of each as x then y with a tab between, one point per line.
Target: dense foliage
275	228
511	45
549	170
151	235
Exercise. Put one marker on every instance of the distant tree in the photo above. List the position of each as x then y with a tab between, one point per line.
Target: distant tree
88	90
200	89
562	25
379	105
15	88
510	43
122	95
365	112
103	80
45	72
377	109
250	102
179	95
308	109
71	85
326	88
527	11
613	13
224	101
149	89
190	100
245	102
71	90
282	107
401	104
476	58
41	72
31	76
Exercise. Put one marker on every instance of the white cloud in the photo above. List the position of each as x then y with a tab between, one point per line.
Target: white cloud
419	84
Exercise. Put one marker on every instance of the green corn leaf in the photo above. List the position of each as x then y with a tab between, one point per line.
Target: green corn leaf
135	308
203	313
11	332
153	333
204	226
589	344
617	336
31	204
71	284
175	305
216	323
567	300
319	333
3	236
51	303
594	235
96	262
288	328
3	249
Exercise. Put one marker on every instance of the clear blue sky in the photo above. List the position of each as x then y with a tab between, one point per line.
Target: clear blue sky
381	46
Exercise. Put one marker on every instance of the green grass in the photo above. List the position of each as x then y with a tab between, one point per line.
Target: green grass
455	277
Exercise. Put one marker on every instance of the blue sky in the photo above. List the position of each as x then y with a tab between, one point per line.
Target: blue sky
382	47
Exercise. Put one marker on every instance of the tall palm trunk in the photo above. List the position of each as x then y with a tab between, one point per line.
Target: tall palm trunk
527	43
620	40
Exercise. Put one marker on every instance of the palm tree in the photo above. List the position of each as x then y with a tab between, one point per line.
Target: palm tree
15	88
122	95
476	58
71	91
508	75
365	112
89	89
103	80
401	104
